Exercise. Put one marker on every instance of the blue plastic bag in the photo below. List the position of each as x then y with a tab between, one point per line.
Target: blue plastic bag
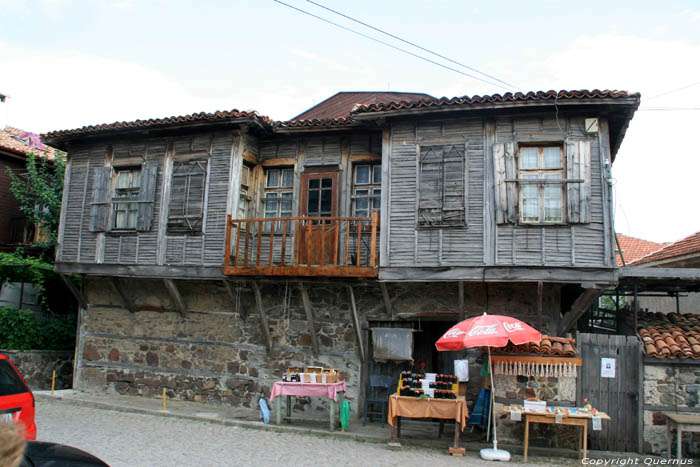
264	411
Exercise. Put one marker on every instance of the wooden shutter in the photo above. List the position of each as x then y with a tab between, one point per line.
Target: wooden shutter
578	195
454	185
147	196
430	189
506	192
187	193
101	186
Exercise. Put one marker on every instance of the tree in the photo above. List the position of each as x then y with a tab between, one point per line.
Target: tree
39	192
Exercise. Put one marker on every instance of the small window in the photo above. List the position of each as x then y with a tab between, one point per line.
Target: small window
367	190
279	197
187	193
543	201
442	186
126	192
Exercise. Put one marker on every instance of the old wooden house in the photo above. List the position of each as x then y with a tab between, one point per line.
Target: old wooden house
217	249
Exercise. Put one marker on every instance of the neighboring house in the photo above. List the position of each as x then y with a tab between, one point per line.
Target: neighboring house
683	254
630	248
218	249
15	144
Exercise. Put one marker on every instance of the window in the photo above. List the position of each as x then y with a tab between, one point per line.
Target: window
126	191
541	202
244	193
441	185
187	190
367	189
278	199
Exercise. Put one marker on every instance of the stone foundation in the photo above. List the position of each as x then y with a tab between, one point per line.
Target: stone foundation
669	387
37	367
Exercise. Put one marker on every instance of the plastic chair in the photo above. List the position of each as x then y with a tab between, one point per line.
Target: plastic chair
379	390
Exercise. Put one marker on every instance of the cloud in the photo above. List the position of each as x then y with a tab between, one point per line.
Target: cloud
305	54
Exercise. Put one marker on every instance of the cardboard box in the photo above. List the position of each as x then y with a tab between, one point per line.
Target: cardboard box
535	406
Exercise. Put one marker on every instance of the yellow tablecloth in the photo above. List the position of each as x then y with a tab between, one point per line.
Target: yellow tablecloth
413	407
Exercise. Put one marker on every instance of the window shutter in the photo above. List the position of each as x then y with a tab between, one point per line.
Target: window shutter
147	195
431	187
101	177
454	208
578	195
506	192
187	193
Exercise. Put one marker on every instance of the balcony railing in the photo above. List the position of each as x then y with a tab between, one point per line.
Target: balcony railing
302	246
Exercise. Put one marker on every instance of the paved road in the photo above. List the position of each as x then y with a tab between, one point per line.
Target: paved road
135	440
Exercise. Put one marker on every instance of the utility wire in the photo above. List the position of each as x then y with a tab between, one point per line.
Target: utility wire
673	90
412	44
390	45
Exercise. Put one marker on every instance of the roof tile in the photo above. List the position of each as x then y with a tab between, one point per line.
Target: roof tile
669	335
554	346
687	246
16	141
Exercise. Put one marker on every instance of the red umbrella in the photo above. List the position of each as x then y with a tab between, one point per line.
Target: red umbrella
488	331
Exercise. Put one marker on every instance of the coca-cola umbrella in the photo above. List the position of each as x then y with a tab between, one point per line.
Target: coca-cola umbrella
488	331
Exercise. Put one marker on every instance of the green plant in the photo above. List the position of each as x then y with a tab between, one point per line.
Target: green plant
17	267
40	192
22	330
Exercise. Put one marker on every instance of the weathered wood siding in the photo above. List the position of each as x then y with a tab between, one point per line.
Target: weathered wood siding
572	245
142	248
448	246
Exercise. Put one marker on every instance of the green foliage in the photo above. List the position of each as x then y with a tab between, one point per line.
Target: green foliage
40	191
22	330
16	267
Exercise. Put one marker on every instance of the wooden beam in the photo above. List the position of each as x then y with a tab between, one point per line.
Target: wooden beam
309	317
126	300
263	316
540	293
277	161
356	322
387	300
74	290
578	308
175	296
461	300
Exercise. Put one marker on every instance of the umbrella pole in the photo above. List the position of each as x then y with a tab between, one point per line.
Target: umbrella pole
493	398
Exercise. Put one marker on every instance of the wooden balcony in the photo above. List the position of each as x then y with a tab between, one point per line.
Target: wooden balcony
302	246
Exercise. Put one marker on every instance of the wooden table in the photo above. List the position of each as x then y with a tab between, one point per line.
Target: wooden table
413	407
333	391
575	419
683	422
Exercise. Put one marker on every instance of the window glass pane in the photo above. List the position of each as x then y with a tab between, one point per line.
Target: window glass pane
123	179
362	203
286	204
531	208
552	158
314	183
553	210
326	201
273	178
135	178
528	158
312	204
120	221
288	178
361	192
362	174
377	174
132	216
326	182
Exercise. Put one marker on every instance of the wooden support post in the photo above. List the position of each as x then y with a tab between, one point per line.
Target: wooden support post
356	322
461	301
540	293
309	317
263	316
175	296
126	300
578	308
387	300
74	290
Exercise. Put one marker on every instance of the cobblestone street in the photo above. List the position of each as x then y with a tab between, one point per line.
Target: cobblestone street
137	440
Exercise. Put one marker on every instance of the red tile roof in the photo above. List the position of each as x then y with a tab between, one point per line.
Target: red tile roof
160	122
497	98
341	104
18	142
556	346
688	246
669	335
635	248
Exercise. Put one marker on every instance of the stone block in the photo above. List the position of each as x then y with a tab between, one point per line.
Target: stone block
658	418
90	353
113	355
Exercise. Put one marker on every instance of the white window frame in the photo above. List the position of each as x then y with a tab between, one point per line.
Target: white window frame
372	188
278	190
541	173
127	196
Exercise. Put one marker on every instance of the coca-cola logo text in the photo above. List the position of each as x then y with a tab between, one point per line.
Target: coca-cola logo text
453	333
513	327
483	330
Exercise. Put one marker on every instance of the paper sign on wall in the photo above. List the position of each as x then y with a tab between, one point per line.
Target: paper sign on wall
607	367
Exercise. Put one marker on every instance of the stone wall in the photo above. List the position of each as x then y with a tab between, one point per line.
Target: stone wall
37	367
668	387
556	391
216	353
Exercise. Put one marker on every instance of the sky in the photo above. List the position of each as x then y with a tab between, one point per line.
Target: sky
68	63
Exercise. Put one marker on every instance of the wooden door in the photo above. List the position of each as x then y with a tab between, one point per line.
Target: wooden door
619	397
318	238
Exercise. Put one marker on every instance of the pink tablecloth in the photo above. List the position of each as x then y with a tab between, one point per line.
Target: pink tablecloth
329	390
